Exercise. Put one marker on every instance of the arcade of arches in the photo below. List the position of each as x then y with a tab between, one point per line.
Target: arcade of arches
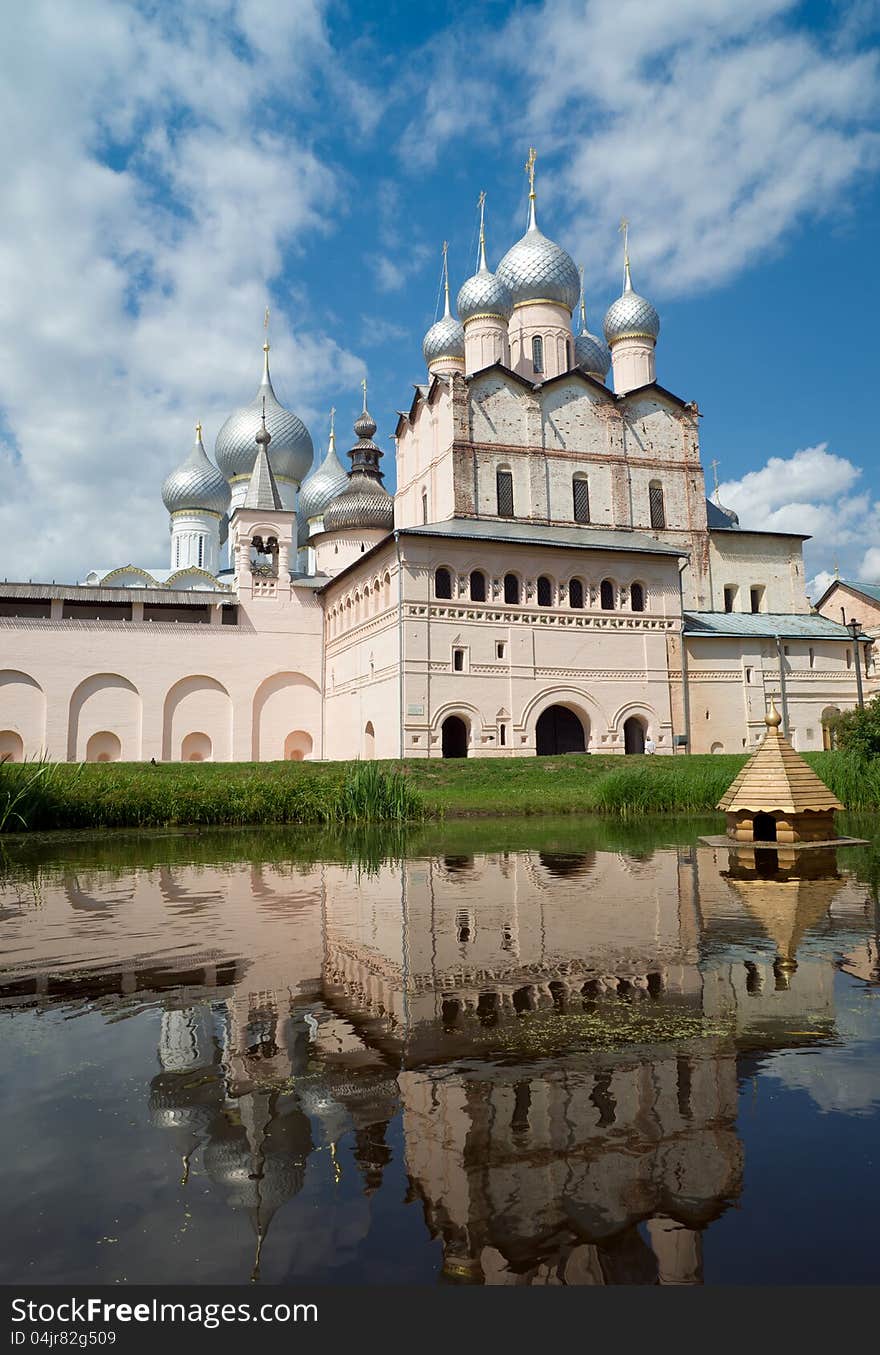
559	730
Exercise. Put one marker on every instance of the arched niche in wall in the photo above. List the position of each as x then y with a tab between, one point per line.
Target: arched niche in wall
197	704
105	703
23	706
284	702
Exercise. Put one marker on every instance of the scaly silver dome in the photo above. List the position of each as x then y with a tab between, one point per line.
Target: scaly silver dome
364	502
445	339
537	269
326	480
485	293
292	450
591	354
197	484
630	316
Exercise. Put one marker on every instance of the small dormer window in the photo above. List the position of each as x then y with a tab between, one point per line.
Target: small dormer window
538	355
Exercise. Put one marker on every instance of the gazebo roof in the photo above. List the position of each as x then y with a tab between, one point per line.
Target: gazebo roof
777	778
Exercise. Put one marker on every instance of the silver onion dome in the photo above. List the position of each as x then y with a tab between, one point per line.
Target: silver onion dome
537	269
326	481
445	339
292	451
197	484
364	502
591	354
485	293
631	316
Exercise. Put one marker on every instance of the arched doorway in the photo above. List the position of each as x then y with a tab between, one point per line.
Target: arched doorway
559	731
454	737
633	735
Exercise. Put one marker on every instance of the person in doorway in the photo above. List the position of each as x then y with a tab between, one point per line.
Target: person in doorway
650	745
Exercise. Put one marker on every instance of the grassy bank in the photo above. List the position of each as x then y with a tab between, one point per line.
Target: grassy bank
138	795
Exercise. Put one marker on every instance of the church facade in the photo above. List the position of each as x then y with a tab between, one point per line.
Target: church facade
549	576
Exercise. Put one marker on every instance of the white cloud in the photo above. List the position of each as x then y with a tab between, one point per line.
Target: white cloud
149	202
715	124
809	492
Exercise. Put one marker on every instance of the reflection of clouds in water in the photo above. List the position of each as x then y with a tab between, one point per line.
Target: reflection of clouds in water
842	1078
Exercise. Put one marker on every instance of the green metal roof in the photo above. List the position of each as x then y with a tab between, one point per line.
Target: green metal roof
868	590
545	534
787	625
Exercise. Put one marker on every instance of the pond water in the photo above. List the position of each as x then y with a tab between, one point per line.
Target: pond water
517	1052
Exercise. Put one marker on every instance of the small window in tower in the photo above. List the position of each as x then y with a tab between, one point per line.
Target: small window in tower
655	503
500	649
729	597
538	354
511	589
748	675
458	660
576	594
545	592
568	354
812	656
504	491
478	586
442	583
756	597
502	735
424	507
637	598
606	595
581	492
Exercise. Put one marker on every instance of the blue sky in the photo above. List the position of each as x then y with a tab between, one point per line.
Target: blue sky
171	169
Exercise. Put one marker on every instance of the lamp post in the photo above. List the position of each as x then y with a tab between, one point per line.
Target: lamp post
854	627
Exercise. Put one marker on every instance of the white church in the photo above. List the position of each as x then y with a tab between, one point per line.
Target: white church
549	576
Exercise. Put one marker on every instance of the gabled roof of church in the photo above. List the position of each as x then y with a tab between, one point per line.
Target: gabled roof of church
869	591
767	625
545	534
262	490
777	778
655	386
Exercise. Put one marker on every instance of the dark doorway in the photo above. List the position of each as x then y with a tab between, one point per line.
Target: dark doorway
633	735
764	828
559	731
455	737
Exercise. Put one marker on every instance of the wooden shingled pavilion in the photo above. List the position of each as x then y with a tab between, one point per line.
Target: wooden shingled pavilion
777	797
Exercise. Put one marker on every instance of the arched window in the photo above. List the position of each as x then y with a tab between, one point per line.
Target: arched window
637	598
511	589
201	551
580	489
545	592
606	595
478	586
538	354
424	506
576	593
442	583
568	354
655	503
504	492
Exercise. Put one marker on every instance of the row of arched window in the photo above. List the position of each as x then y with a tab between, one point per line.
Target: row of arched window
580	498
548	593
363	602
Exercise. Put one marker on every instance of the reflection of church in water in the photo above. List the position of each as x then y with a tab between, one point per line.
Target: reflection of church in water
446	993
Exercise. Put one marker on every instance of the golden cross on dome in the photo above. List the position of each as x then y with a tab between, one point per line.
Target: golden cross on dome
332	417
364	387
199	431
266	328
624	230
530	170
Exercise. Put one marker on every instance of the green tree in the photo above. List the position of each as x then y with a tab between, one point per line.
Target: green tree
858	731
